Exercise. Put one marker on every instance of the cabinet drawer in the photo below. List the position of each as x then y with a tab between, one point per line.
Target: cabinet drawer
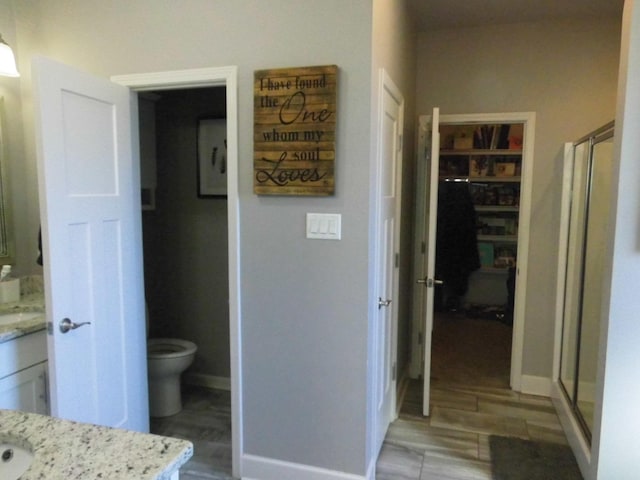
26	390
22	352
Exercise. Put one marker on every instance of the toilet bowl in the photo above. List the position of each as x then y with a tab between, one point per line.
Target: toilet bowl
167	358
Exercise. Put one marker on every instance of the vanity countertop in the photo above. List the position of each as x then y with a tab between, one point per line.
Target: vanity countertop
30	302
72	450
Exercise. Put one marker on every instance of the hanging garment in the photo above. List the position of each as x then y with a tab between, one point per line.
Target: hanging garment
456	243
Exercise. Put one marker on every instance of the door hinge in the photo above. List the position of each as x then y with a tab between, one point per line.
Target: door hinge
419	338
393	371
423	247
397	260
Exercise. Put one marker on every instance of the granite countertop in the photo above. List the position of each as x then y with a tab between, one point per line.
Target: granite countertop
31	300
70	450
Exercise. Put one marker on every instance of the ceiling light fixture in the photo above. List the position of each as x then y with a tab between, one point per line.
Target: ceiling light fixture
7	60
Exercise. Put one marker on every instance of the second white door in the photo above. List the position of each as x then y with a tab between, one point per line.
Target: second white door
389	168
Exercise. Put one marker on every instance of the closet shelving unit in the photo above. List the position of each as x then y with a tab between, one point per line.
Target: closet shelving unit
489	157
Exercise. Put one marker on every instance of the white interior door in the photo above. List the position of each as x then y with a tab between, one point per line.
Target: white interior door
425	245
389	166
91	225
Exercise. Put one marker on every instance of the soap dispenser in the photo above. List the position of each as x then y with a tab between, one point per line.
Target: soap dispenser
5	273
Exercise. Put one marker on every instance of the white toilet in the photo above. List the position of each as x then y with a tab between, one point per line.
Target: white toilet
167	358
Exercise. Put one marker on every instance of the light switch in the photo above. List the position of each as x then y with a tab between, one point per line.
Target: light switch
324	226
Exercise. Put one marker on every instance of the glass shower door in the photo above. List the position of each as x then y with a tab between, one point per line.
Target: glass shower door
586	255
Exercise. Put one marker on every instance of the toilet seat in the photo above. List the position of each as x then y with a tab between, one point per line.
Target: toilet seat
160	348
167	358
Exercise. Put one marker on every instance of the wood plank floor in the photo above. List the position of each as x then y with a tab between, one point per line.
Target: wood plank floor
205	420
470	400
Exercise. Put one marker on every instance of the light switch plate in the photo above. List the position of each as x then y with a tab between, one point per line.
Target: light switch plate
324	226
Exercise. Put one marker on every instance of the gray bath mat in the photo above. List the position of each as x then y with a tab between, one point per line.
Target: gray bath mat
518	459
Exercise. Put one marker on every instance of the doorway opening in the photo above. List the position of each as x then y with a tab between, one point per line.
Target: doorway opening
222	82
477	220
184	231
471	248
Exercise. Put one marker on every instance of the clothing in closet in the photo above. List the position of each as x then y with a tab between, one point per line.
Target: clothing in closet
456	243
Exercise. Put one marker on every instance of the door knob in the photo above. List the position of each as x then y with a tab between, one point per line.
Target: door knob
429	282
383	303
66	325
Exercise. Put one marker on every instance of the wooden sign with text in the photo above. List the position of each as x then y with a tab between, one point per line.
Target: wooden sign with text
294	132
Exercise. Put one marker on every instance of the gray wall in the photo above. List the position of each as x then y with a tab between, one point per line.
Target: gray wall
185	237
566	72
304	303
615	440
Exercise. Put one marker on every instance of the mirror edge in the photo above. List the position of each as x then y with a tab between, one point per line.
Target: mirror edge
7	242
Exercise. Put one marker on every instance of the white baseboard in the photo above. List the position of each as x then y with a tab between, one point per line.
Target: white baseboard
533	385
208	381
261	468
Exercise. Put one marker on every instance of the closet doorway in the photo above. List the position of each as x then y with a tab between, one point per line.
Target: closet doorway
471	248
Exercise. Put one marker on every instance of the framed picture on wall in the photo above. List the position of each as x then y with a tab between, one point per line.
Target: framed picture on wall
212	157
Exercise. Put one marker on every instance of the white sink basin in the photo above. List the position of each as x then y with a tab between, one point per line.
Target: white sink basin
16	457
9	318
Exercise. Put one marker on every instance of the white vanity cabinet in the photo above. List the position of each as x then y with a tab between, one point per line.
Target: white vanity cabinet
23	373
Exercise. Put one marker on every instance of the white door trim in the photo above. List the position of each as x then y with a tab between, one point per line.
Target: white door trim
213	77
528	119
